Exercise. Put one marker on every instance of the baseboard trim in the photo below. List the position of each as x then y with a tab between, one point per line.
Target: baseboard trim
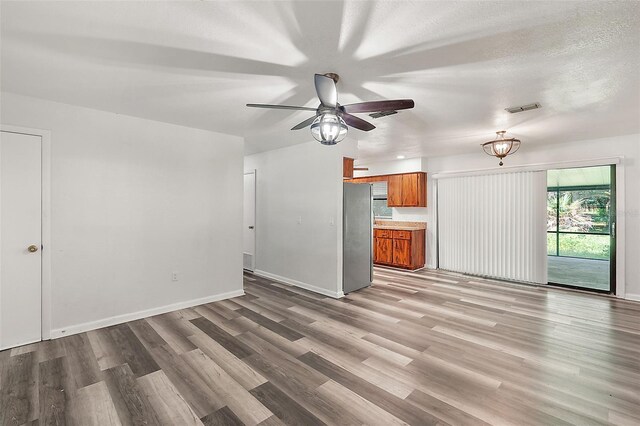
634	297
295	283
119	319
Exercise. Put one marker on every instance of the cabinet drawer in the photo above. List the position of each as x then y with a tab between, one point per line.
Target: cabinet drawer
402	235
382	233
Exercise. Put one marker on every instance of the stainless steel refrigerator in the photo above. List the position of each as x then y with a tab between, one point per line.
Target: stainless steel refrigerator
357	237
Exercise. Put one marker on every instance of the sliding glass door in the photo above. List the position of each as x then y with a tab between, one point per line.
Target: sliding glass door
581	227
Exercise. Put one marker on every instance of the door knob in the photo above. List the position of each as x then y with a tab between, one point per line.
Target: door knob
32	248
250	227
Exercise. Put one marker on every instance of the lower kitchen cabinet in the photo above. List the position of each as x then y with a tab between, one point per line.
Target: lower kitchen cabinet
399	248
383	252
402	253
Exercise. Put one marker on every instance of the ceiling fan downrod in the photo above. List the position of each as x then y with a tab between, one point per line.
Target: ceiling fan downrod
333	76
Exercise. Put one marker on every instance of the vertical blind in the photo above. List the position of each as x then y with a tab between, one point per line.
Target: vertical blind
494	225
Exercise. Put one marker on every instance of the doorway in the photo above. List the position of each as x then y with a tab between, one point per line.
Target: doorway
581	224
249	222
24	271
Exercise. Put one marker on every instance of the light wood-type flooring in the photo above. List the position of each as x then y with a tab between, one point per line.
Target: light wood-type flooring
425	348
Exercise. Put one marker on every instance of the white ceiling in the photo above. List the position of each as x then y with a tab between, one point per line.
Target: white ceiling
198	63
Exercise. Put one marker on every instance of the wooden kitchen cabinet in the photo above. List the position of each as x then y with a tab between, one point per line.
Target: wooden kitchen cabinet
347	167
403	190
399	248
383	251
394	191
367	179
383	233
413	190
402	253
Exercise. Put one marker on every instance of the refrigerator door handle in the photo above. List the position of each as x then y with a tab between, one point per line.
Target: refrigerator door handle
371	240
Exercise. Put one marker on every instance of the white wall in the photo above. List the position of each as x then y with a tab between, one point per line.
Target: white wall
621	146
134	200
389	167
299	214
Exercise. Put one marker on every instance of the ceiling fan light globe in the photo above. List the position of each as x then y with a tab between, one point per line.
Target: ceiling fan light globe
328	129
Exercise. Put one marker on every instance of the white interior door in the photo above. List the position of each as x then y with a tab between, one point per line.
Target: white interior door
20	239
249	222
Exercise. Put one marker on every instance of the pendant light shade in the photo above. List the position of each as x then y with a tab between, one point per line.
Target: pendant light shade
501	146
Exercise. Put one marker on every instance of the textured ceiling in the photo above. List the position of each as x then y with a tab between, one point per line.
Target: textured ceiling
198	63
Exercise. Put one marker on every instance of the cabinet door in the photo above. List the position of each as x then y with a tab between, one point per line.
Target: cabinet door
347	167
422	189
402	252
383	252
394	191
410	190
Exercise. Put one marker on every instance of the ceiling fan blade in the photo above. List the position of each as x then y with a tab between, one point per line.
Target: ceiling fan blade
280	107
357	122
305	123
326	90
376	106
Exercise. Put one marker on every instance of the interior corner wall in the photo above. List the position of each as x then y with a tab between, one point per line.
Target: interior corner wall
132	202
299	214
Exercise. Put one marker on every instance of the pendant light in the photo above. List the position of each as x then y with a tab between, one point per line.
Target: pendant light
501	146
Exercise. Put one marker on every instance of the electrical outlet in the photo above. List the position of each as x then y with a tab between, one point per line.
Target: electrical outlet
174	276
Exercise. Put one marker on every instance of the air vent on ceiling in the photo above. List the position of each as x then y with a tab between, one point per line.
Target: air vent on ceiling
521	108
382	114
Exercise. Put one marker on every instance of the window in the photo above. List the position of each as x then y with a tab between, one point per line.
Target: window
578	221
380	209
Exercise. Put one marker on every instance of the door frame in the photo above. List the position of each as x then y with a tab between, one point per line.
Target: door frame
255	217
45	303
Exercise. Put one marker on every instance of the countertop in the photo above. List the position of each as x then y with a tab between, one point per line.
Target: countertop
399	228
399	225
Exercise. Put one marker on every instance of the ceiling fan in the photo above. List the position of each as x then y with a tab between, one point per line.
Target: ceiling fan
329	124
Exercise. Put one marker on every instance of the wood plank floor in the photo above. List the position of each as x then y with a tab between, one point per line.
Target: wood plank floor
423	348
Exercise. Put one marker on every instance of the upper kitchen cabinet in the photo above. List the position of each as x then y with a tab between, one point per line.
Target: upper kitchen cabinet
414	190
407	190
394	191
403	190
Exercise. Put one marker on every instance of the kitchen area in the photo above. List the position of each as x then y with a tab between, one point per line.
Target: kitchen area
394	242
